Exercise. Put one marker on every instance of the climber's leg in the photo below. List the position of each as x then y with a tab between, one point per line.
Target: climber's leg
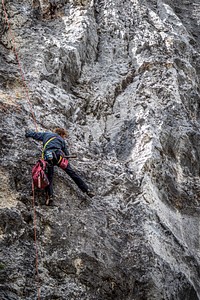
77	179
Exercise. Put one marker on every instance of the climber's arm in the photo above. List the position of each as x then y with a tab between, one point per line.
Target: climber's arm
35	135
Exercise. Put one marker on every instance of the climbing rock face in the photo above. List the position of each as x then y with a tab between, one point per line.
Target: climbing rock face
123	78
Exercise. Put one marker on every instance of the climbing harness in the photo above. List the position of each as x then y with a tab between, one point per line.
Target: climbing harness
62	162
34	119
43	150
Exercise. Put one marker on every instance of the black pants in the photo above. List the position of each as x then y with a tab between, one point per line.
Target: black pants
76	178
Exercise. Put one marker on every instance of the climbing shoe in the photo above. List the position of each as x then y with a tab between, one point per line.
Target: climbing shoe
90	193
49	200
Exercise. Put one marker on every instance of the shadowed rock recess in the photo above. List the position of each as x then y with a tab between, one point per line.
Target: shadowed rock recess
123	77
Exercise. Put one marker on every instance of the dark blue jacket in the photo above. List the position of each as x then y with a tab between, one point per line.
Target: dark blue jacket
56	144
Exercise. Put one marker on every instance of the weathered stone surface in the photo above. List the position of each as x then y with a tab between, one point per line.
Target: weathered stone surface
123	78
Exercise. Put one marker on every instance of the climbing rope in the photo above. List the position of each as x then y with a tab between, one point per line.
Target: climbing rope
19	65
34	119
35	239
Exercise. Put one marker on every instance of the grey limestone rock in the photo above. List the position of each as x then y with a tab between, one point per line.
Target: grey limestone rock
123	77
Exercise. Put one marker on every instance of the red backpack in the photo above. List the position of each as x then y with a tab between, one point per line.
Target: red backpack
39	176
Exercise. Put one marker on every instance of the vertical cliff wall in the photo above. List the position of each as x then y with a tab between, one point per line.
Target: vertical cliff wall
123	77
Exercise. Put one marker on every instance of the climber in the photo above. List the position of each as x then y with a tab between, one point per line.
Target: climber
54	150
